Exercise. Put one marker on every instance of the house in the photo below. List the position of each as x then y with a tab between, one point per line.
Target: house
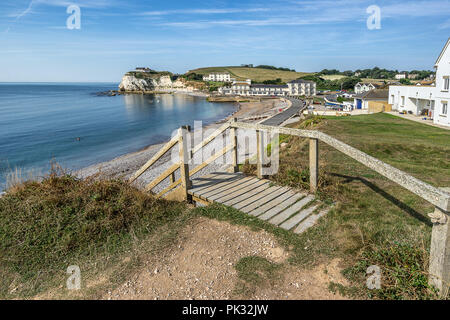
362	87
293	88
218	77
364	100
400	76
431	100
142	69
413	76
302	87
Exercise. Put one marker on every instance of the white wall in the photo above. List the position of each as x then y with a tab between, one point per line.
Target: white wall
442	94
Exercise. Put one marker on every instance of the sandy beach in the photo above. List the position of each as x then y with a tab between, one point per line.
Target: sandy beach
124	166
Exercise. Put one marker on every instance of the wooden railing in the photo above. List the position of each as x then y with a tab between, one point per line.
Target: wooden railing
440	249
185	154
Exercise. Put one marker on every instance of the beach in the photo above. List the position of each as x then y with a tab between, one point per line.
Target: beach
124	166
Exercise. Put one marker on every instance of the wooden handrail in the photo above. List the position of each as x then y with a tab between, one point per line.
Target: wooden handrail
155	158
208	140
163	176
434	195
197	169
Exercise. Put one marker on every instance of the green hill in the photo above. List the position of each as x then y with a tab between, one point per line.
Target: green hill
256	74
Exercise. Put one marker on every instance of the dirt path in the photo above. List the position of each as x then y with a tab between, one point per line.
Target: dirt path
202	268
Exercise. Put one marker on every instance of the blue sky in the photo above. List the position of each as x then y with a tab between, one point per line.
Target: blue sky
174	35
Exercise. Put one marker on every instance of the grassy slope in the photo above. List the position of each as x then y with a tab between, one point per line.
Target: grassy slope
256	74
375	221
46	227
63	221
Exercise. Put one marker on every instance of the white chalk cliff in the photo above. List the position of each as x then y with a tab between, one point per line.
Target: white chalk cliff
163	82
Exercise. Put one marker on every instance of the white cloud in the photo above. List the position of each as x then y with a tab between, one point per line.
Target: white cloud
203	11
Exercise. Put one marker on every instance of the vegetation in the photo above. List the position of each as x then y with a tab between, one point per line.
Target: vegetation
274	68
277	81
405	82
377	73
62	221
374	221
257	75
47	226
342	83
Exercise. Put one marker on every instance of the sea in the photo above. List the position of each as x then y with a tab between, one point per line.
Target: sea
71	124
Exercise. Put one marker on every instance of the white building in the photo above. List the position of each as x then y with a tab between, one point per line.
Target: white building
430	100
218	77
301	87
400	76
362	87
294	88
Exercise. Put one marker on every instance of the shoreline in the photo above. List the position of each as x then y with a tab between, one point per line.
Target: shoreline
125	165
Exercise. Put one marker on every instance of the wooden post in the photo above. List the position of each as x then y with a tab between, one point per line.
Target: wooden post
259	153
184	161
439	269
313	164
234	152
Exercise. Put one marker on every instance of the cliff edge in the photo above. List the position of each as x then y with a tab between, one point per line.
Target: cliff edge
151	81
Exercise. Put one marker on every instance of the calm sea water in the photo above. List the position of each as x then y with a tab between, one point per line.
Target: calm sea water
41	122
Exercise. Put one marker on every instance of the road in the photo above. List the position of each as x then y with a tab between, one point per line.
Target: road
296	108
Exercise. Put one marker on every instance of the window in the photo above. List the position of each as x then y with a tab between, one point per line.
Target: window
403	100
446	83
444	107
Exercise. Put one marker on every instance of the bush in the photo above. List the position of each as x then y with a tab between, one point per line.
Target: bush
47	226
403	272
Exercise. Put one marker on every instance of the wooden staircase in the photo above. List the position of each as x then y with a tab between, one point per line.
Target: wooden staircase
287	208
280	206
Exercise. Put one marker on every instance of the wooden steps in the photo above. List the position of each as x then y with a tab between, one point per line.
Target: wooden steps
280	206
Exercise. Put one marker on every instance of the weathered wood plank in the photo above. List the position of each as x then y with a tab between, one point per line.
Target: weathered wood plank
162	177
228	190
184	160
204	202
288	225
271	204
225	196
424	190
211	159
155	158
282	130
172	186
234	185
248	194
280	207
313	164
201	183
234	153
258	198
310	221
265	200
259	154
286	214
208	140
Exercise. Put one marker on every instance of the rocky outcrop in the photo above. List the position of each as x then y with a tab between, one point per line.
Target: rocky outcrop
132	83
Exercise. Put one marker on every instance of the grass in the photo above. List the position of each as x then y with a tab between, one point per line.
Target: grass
253	272
47	226
371	211
256	74
374	221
